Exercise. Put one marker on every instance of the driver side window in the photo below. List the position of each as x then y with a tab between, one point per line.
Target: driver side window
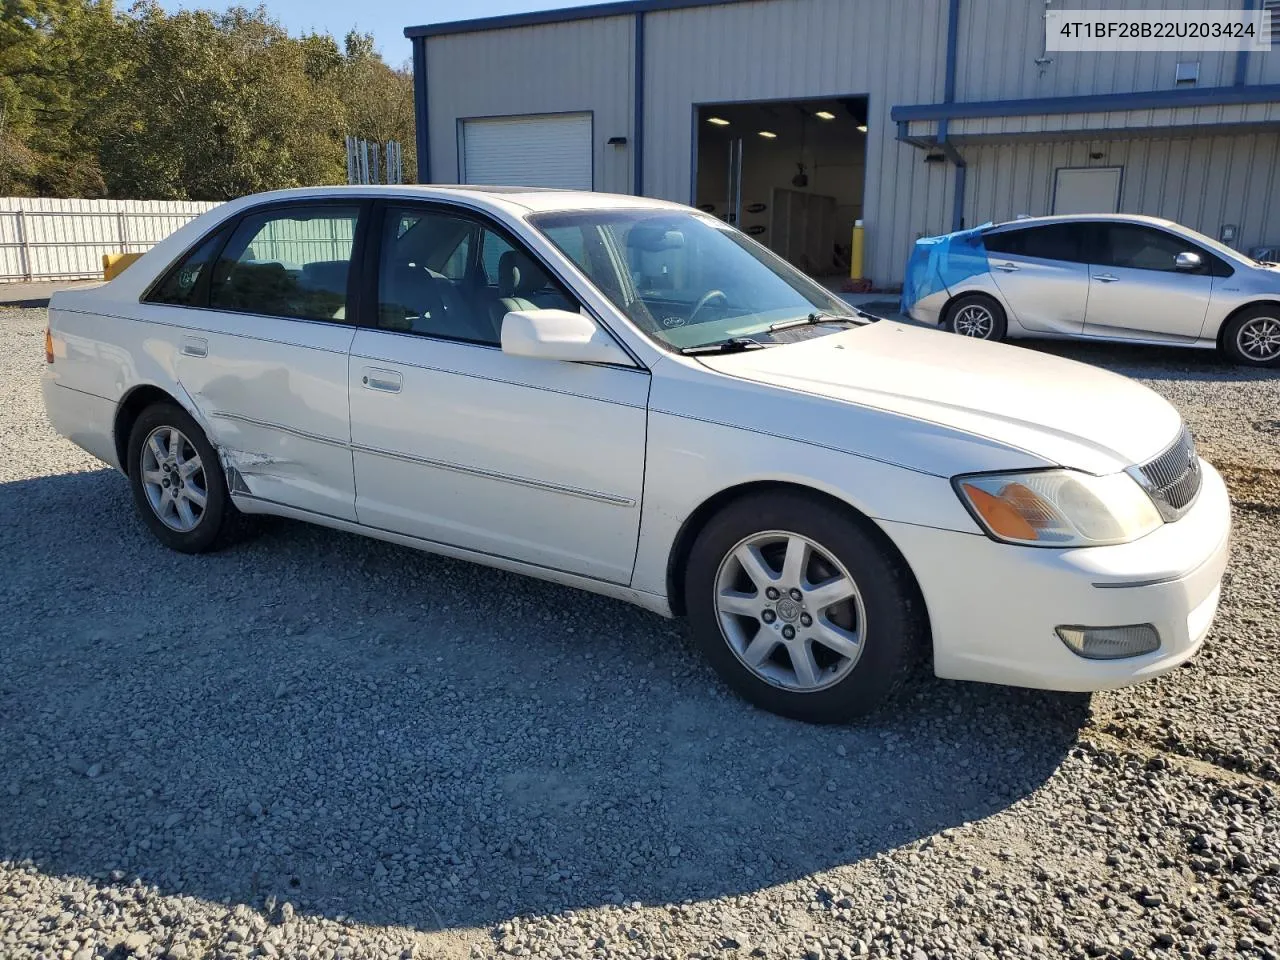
448	275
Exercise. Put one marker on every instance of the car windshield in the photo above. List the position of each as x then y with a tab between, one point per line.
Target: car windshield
1217	246
688	280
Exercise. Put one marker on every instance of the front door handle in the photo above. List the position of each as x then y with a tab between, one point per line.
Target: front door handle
1008	267
385	381
195	347
1106	278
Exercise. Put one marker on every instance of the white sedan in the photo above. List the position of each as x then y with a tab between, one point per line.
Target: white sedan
633	398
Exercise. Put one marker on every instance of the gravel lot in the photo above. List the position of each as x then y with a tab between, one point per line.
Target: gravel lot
316	745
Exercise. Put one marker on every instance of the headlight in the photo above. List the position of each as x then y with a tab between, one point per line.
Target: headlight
1059	508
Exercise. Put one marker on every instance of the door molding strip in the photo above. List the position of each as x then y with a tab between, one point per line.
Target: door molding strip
612	500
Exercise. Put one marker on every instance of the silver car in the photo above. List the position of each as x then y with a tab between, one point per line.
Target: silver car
1102	277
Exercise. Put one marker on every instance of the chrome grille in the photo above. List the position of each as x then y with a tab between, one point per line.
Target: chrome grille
1173	478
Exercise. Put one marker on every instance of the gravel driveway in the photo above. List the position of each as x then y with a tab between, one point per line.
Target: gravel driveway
317	745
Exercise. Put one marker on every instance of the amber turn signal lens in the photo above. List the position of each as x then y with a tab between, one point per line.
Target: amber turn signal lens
48	345
1000	515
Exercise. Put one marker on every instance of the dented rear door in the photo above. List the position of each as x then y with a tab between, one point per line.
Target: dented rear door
264	361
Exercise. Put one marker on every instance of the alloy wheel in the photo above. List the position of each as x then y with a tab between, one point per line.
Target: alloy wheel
974	320
1259	339
790	611
173	478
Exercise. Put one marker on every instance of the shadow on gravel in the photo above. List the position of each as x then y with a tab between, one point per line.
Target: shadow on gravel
371	732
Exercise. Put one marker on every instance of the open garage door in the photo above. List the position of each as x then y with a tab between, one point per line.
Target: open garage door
535	151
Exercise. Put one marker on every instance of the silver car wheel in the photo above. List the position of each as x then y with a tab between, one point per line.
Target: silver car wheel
974	320
1259	339
790	611
173	478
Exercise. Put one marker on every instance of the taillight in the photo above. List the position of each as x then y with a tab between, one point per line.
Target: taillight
48	345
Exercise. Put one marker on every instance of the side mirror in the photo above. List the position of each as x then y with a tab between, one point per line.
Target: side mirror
559	335
1188	261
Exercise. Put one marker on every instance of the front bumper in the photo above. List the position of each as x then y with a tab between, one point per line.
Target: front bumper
993	607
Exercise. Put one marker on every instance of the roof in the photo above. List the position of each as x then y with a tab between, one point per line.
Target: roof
618	8
1069	217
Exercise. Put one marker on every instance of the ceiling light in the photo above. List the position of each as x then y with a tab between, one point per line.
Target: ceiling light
862	128
768	135
718	121
825	115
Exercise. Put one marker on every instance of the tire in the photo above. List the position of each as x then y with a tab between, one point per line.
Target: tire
1252	337
884	613
215	522
978	313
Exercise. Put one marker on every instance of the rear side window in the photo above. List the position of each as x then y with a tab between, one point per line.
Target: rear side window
187	282
291	262
1055	241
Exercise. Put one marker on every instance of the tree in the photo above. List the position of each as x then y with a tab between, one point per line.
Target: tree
189	105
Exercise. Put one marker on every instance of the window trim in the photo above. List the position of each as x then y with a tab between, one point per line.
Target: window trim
373	268
355	288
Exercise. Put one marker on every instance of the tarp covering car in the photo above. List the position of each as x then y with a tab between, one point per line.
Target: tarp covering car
938	263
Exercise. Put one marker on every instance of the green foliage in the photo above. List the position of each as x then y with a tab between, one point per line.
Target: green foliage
188	105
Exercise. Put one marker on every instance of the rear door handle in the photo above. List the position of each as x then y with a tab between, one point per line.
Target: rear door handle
1008	267
385	381
195	347
1106	277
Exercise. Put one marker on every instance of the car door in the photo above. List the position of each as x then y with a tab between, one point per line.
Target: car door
1042	274
455	441
1136	290
263	356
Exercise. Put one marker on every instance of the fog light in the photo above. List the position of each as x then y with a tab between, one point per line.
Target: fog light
1110	643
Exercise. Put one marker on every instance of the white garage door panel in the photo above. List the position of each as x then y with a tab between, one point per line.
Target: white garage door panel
541	151
1087	190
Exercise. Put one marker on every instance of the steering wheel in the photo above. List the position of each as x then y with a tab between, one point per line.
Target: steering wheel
707	299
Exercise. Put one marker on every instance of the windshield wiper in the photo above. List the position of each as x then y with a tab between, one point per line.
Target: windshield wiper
732	345
810	320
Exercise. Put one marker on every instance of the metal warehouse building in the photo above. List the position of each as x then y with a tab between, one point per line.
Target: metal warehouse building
793	118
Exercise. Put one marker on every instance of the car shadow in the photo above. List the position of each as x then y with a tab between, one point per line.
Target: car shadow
379	734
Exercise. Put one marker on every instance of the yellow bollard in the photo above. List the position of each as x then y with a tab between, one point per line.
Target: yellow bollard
855	251
113	264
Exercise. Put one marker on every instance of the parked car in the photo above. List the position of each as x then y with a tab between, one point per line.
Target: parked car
1114	277
634	398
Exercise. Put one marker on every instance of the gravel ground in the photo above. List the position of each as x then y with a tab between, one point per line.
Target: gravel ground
316	745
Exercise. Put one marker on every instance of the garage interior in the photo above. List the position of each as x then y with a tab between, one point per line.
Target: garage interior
789	173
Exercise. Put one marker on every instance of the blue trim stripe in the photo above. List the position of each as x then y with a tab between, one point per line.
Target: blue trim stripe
1242	56
953	40
1097	103
420	117
562	15
637	152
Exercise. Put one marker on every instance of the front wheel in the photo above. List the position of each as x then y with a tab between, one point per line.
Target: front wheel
1252	337
977	315
800	609
177	482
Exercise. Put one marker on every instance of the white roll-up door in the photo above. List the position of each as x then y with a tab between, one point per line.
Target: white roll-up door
535	151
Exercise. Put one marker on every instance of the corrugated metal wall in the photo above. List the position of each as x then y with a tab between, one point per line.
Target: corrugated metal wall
584	65
42	238
1001	40
1202	182
783	49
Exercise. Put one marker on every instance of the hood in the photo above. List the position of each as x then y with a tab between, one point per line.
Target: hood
1059	411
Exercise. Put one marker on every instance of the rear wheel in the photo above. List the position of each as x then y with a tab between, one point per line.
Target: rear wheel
177	482
1252	337
977	315
800	609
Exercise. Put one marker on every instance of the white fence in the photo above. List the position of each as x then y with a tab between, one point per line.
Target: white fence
49	239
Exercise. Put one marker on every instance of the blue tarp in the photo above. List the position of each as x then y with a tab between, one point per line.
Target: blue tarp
938	263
